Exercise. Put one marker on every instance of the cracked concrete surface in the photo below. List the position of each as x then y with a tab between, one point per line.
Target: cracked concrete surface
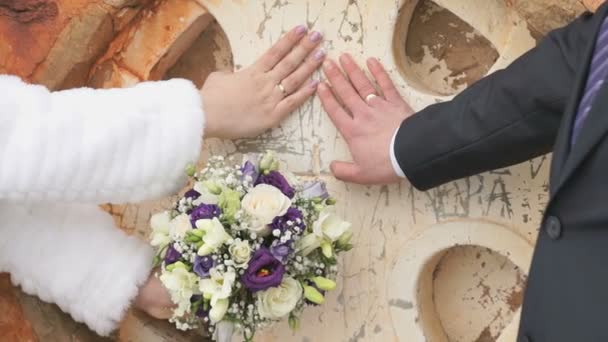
477	291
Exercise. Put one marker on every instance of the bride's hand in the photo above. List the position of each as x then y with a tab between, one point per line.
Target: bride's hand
250	101
154	299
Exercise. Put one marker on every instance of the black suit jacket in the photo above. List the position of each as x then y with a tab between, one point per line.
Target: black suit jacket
516	114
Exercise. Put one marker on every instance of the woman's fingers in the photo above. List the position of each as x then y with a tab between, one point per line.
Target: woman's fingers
281	48
364	87
293	82
295	58
384	80
295	100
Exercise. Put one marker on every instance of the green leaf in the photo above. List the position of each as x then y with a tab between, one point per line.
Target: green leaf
190	170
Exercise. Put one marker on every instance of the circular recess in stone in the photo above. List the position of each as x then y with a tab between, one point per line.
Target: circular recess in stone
459	281
438	52
476	293
208	53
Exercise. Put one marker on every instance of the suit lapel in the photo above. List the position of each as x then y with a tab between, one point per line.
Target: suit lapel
566	160
593	130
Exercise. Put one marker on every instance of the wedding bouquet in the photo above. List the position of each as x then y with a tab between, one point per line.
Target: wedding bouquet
249	245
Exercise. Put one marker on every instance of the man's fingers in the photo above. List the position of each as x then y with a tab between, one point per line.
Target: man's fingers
346	172
357	76
384	80
342	87
281	48
295	100
296	56
337	114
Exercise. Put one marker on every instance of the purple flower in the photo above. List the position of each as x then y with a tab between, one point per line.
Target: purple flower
263	271
202	266
172	255
277	180
315	190
281	251
292	216
249	169
200	312
204	211
192	194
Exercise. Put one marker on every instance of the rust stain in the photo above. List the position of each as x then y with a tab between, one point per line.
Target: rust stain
486	336
515	299
29	11
13	324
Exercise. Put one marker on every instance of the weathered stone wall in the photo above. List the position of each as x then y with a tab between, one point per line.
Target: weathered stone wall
448	264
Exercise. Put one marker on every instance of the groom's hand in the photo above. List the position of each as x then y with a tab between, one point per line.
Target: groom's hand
366	122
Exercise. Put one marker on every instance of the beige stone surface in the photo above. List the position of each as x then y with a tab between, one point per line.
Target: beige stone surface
446	265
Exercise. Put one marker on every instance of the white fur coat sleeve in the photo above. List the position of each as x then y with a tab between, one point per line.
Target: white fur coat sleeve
73	256
97	146
63	152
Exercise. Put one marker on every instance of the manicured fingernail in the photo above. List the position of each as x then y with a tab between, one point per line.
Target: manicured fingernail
314	84
315	37
319	55
301	29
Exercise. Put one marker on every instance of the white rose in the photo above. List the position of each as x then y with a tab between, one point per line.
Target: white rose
181	284
240	252
218	286
179	226
214	235
264	203
208	191
277	302
160	229
330	225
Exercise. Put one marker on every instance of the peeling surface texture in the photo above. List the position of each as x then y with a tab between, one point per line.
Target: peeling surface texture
474	292
28	11
476	282
447	54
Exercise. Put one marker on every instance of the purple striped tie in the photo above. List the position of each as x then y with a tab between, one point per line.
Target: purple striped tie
595	80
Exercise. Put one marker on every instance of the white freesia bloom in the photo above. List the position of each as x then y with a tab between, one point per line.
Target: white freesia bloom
278	302
207	196
218	288
308	243
179	226
160	229
264	203
330	225
181	284
218	310
214	235
240	251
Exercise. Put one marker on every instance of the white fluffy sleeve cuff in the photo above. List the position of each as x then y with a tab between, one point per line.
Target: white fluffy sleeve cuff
105	145
73	256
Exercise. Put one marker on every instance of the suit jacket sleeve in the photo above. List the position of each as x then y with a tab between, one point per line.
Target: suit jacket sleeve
506	118
96	146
